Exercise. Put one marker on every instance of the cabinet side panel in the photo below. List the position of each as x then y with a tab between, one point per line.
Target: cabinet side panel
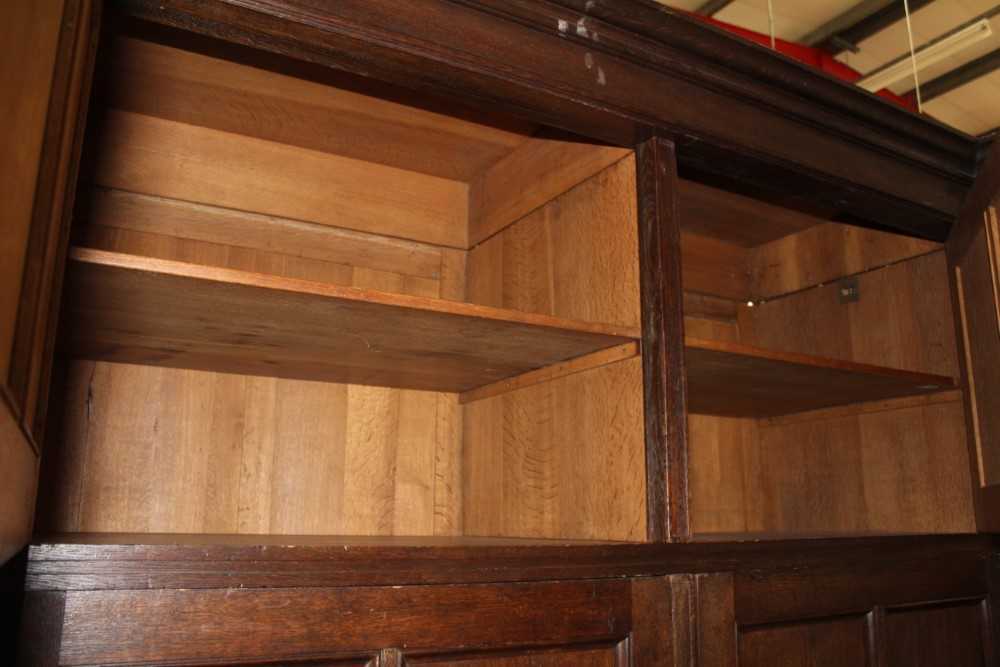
562	458
28	28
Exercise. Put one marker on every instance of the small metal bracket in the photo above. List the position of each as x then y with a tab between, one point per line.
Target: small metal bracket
848	290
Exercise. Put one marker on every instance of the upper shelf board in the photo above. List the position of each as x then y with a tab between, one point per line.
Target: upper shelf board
134	309
736	380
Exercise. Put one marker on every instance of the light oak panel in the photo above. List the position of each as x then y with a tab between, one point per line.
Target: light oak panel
238	230
165	158
576	257
714	267
156	449
533	455
135	309
559	459
896	467
737	380
827	252
528	178
903	319
723	474
163	450
731	217
342	115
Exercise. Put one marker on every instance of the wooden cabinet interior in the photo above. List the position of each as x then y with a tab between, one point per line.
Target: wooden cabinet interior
283	288
815	412
314	305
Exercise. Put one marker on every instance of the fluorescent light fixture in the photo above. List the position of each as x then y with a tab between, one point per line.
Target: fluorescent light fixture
927	55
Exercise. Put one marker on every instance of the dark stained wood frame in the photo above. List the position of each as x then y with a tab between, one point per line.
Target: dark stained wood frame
747	114
687	601
142	561
26	385
664	378
986	498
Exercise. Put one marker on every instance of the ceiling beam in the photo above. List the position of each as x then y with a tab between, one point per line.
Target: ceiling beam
846	31
713	7
959	76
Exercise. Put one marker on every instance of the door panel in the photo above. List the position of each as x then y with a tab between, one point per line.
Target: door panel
823	643
950	635
47	53
974	259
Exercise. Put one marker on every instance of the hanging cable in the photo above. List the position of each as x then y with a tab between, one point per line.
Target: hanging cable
770	25
913	56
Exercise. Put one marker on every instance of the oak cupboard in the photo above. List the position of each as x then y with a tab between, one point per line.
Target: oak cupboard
435	332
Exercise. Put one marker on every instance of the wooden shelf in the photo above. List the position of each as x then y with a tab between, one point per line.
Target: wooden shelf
45	546
134	309
735	380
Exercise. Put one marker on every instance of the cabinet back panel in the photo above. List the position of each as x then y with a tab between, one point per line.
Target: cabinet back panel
892	466
902	319
162	450
565	457
160	157
896	470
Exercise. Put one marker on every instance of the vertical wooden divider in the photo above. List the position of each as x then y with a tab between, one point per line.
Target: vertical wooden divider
664	383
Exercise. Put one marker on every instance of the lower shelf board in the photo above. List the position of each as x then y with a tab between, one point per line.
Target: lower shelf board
140	310
734	380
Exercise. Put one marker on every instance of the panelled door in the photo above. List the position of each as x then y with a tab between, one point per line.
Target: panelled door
974	262
47	52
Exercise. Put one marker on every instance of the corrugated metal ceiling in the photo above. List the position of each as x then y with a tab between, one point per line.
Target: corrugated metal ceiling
973	107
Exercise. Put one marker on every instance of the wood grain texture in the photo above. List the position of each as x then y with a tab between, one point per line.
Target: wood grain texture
826	252
724	475
130	309
561	657
532	455
574	257
244	231
318	109
902	320
165	158
156	449
30	35
532	458
715	267
891	168
171	626
977	319
652	614
951	634
741	220
883	465
715	618
537	172
898	470
27	380
577	365
736	380
821	643
664	374
887	469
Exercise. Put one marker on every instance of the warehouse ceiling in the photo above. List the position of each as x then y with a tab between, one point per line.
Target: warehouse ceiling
961	89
